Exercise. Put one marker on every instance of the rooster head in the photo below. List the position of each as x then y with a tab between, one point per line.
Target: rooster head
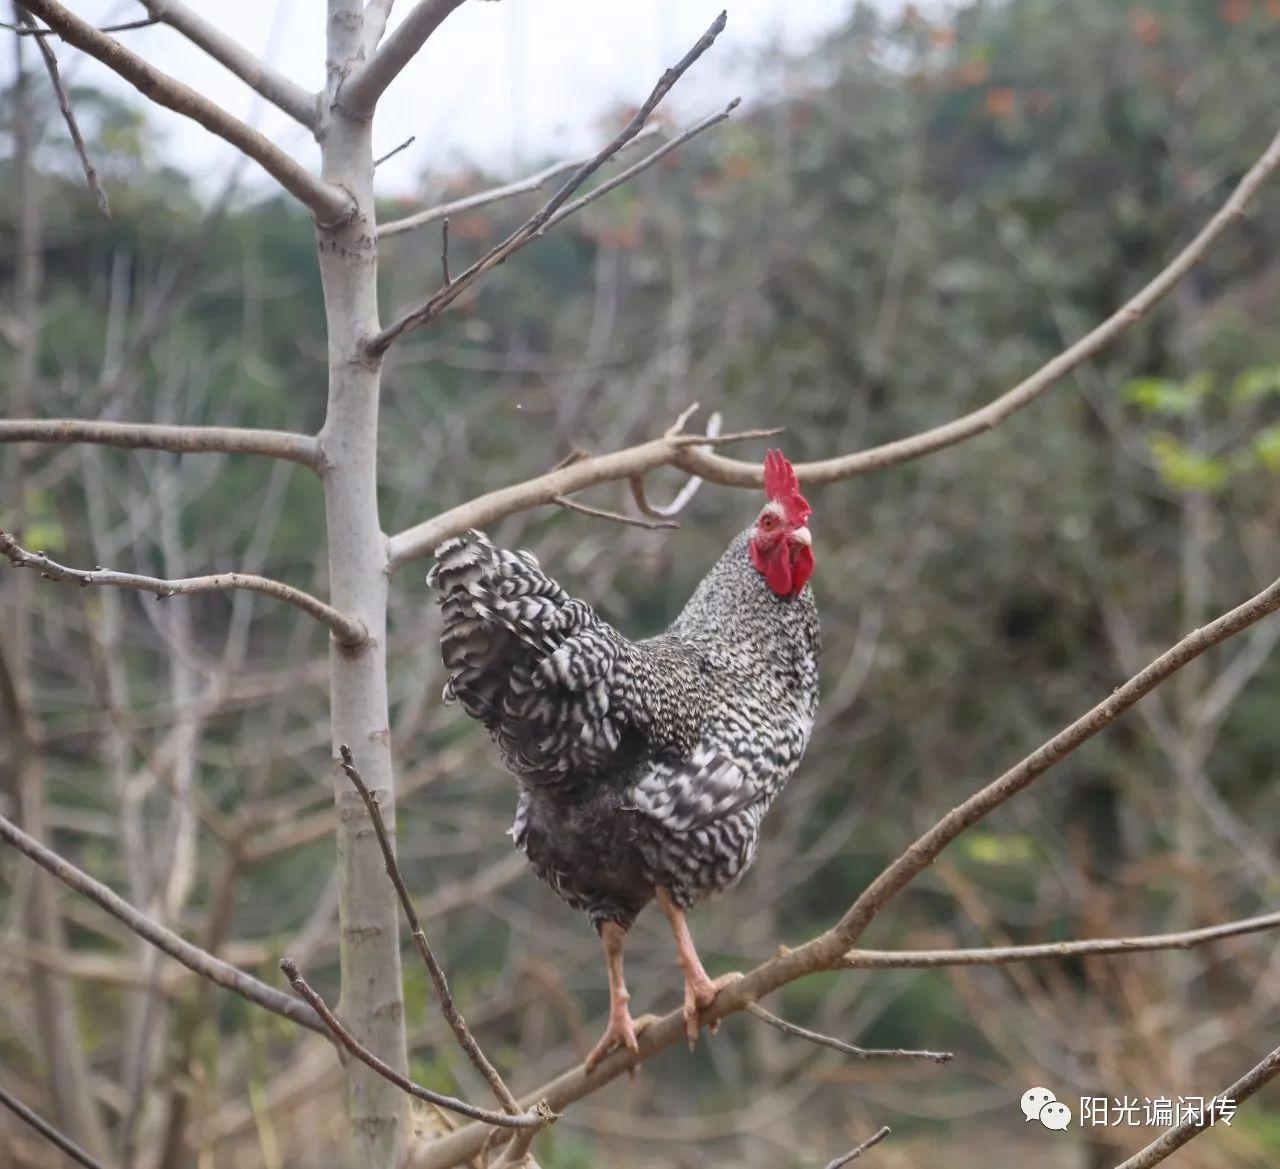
780	544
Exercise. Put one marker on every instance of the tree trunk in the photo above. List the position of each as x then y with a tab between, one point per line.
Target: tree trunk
372	1004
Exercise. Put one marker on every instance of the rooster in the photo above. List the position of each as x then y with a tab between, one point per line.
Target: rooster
644	767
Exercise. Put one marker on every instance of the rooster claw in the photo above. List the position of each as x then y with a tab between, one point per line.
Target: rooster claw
621	1032
640	1024
699	994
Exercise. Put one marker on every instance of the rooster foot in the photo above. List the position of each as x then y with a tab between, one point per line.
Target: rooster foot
699	993
621	1032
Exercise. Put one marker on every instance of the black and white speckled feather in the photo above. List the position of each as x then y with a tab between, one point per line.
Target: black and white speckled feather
642	764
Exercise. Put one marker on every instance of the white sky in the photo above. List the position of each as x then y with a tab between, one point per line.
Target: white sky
499	83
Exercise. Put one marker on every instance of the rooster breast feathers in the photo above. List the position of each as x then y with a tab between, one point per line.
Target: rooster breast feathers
574	706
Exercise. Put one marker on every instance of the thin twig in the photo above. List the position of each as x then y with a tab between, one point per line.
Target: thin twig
1174	1138
192	957
377	162
683	496
613	516
868	1053
348	631
1004	955
538	1117
574	456
534	182
227	440
69	117
46	1130
448	1007
685	441
35	31
443	297
444	252
677	427
330	205
643	164
858	1150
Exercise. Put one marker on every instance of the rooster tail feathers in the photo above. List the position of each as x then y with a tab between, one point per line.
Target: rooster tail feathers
532	663
460	561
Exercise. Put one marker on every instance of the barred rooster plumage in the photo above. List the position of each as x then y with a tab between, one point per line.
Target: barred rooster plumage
644	767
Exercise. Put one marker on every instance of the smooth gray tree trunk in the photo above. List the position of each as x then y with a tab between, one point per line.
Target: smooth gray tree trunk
372	1004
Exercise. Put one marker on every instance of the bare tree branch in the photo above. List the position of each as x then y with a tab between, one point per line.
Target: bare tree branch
46	1130
534	225
560	482
331	206
227	440
192	957
448	1008
360	92
858	1150
494	505
68	116
826	951
516	1153
1173	1139
377	162
1219	697
348	631
534	182
868	1053
376	15
922	853
1003	955
625	176
538	1117
37	31
733	473
227	51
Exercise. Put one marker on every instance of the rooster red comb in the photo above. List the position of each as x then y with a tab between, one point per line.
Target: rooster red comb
782	486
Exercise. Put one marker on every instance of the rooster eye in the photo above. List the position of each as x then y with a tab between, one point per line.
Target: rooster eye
769	522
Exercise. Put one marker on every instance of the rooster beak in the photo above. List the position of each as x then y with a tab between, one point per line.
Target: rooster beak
803	536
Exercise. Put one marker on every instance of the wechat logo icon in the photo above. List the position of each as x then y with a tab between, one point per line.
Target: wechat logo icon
1042	1105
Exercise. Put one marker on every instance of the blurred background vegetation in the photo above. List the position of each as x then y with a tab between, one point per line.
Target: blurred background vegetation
928	210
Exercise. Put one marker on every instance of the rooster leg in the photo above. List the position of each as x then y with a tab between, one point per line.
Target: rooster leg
699	989
621	1031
